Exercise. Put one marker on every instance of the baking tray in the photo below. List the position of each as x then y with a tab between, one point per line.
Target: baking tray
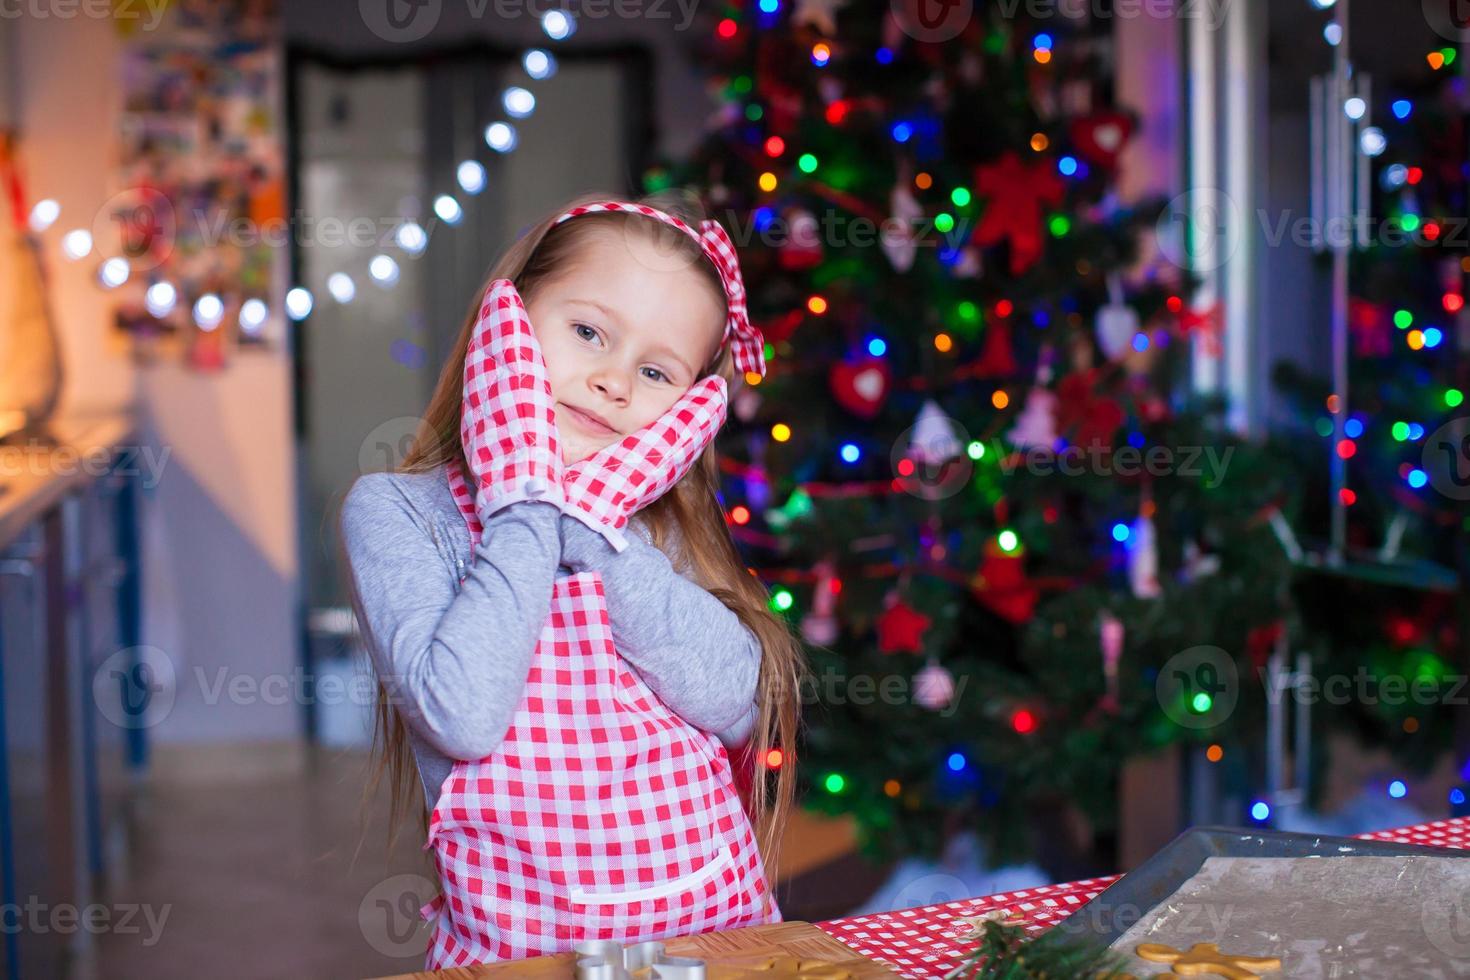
1133	896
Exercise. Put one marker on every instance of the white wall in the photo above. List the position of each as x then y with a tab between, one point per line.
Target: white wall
219	564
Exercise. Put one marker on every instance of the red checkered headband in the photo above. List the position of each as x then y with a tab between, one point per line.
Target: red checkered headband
747	345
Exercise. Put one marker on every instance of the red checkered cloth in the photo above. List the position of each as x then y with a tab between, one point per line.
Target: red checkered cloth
932	940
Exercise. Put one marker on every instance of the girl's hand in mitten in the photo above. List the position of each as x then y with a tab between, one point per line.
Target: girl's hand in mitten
608	487
508	419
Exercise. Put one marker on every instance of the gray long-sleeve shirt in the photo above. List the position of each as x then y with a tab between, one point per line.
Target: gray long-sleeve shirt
454	658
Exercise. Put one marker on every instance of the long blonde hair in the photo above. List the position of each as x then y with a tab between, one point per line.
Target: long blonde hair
537	257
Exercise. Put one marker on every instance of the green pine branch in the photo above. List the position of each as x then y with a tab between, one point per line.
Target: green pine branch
1006	952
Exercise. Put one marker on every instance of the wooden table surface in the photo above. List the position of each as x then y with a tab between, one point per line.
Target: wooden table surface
761	951
35	472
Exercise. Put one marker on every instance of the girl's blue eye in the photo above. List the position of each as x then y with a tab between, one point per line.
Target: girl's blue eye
591	334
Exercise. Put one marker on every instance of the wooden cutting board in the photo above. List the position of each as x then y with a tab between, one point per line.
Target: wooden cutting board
756	952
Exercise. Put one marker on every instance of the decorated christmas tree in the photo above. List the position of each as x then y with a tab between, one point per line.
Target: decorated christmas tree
968	478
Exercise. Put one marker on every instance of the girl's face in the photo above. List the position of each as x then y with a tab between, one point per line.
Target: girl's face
623	334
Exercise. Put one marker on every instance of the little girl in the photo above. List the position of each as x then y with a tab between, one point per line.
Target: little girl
567	689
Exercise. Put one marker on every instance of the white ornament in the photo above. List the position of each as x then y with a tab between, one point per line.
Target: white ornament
898	239
1143	559
934	687
1117	323
1036	426
932	441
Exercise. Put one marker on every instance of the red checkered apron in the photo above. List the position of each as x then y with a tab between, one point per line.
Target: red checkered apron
602	815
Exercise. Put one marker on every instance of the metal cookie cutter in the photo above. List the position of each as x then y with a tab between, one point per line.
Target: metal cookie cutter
606	959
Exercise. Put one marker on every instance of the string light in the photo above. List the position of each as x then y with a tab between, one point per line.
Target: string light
781	432
816	304
76	244
807	163
161	296
960	196
341	286
411	237
740	515
943	343
471	176
448	209
956	762
821	54
923	181
1000	399
298	303
767	181
1402	108
1403	319
975	450
557	25
1067	166
519	102
1453	397
252	315
1023	721
539	63
1453	302
1120	532
1039	142
1397	789
44	215
773	759
113	273
877	346
208	312
834	783
1260	811
383	270
850	453
1008	541
500	136
781	600
775	146
1215	753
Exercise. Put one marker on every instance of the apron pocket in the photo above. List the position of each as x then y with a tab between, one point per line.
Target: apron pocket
722	860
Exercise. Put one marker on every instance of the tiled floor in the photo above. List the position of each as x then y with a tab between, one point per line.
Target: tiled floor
255	877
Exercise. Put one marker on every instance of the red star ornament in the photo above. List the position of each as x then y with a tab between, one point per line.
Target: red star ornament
901	629
1016	192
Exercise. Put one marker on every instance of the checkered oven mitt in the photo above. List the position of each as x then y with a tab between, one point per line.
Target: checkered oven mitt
508	418
611	485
